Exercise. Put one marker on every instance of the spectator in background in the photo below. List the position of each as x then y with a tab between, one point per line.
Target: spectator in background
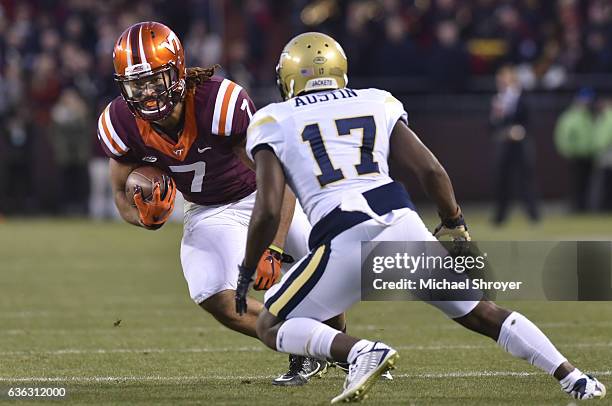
571	52
44	89
259	22
514	150
603	127
444	10
101	201
204	48
483	20
520	42
397	54
598	55
13	87
449	60
601	189
74	30
17	141
359	38
71	142
76	71
236	67
575	141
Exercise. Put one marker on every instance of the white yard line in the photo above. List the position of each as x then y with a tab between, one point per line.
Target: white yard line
76	351
119	379
484	374
110	329
94	351
26	314
186	379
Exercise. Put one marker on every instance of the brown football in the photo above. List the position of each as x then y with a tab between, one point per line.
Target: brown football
145	177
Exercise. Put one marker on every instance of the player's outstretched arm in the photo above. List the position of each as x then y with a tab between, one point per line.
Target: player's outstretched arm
409	154
268	206
270	263
288	206
264	220
119	173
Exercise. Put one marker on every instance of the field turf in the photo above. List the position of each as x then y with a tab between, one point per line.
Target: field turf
102	309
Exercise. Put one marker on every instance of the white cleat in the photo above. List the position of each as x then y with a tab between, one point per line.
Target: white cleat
371	362
586	387
344	367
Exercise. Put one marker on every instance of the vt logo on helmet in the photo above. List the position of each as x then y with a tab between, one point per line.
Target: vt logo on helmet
150	69
310	62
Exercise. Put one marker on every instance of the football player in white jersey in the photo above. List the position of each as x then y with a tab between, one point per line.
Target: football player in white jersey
333	146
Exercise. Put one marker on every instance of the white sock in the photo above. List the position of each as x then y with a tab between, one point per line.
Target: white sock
355	349
570	379
523	339
302	336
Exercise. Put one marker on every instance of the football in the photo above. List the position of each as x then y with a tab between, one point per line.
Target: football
145	178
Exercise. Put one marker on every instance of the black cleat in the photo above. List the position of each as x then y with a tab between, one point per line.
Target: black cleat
301	369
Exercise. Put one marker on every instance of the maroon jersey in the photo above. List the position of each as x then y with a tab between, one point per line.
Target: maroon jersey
202	162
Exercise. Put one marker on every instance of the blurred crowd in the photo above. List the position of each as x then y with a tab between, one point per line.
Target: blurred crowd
450	41
56	64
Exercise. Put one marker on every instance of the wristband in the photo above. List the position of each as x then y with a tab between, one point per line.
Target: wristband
275	248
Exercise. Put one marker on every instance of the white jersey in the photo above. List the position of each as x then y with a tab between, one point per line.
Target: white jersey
332	145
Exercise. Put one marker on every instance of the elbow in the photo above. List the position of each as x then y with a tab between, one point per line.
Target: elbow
435	175
270	216
434	172
268	205
267	215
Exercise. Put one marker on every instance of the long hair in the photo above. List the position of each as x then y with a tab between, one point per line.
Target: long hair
196	75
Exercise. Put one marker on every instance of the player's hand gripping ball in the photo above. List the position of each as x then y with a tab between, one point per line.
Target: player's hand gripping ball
152	192
269	267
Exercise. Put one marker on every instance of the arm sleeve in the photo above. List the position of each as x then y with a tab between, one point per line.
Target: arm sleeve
231	112
243	113
264	132
113	145
394	110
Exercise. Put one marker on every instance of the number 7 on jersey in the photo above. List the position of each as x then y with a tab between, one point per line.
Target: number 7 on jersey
199	170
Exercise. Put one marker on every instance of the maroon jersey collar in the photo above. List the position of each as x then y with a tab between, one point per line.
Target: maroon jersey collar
163	144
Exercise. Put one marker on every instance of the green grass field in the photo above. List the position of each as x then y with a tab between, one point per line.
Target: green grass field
65	284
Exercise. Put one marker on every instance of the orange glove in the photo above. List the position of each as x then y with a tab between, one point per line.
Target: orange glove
269	267
154	214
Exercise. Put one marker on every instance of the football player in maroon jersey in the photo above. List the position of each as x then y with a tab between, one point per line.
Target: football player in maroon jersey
192	125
